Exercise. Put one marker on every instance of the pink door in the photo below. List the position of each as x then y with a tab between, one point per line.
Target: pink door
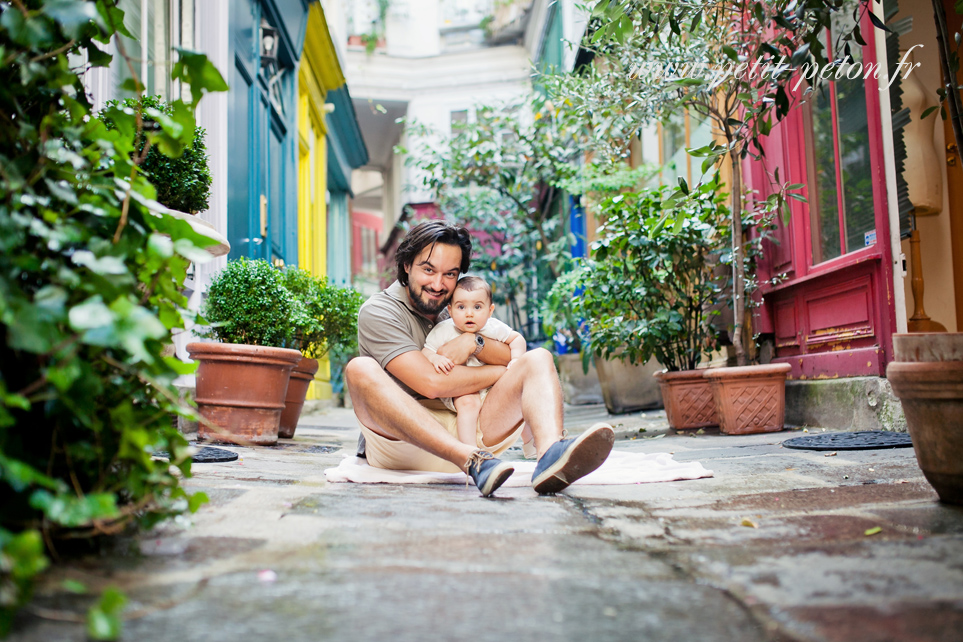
833	314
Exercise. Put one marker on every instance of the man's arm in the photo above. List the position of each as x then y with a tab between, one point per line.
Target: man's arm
459	349
440	363
419	374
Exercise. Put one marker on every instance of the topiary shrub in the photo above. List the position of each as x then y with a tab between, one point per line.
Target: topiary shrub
182	183
331	313
248	304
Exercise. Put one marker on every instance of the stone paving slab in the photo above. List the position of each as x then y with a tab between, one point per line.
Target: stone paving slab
772	548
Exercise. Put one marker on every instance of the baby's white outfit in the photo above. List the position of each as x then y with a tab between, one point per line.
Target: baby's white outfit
446	331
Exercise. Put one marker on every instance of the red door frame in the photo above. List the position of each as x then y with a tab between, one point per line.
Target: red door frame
836	318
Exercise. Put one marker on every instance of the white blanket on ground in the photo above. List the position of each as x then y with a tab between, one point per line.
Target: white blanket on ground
619	468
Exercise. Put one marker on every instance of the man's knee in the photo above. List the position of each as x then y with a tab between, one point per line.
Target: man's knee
360	370
539	359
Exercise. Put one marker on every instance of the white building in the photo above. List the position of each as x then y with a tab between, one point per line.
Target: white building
433	61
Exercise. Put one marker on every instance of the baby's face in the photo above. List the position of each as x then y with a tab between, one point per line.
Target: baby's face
470	310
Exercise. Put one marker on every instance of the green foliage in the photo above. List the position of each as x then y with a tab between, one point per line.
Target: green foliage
103	620
330	321
21	558
183	182
90	283
562	313
247	303
597	180
649	288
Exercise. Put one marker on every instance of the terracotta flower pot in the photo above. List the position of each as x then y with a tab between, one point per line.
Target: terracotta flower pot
301	378
750	399
688	400
927	376
241	389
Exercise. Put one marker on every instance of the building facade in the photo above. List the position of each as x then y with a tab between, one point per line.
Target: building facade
282	142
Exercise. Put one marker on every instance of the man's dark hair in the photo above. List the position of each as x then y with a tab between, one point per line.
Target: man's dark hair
428	233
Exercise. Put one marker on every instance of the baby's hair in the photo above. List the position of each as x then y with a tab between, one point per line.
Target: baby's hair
472	283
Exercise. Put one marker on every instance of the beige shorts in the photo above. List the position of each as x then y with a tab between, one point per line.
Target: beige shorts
393	454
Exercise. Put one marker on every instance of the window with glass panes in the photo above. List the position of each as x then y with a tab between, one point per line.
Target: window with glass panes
157	26
842	216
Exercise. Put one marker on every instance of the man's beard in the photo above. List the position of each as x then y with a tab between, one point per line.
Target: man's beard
427	308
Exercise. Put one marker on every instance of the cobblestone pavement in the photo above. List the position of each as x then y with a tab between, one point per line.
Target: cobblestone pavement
779	545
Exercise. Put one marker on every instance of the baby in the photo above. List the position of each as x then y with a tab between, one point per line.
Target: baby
471	308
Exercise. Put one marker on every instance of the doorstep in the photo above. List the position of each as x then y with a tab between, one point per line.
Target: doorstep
851	403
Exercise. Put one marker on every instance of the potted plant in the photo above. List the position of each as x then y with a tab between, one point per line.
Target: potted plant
649	288
182	182
242	380
330	319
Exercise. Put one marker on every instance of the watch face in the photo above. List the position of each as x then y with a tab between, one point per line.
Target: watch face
479	339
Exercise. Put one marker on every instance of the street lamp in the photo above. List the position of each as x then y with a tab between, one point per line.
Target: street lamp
269	45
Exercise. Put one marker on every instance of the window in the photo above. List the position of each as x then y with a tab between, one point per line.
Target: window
459	118
369	252
842	217
158	26
680	132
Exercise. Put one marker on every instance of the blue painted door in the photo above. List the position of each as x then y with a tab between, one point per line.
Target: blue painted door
262	197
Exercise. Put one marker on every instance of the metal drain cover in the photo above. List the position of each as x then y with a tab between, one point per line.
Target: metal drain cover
862	440
206	455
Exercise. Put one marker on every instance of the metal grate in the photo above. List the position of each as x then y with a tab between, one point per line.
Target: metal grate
861	440
206	455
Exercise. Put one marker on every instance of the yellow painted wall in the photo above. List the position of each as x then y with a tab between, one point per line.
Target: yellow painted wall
318	73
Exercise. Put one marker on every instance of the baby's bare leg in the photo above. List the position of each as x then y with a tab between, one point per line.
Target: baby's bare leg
468	407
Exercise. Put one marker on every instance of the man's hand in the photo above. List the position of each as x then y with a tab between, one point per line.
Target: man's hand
459	349
442	365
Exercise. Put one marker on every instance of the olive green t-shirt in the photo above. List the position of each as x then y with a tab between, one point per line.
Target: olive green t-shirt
388	327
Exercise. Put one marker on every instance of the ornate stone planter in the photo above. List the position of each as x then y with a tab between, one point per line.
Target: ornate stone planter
750	399
688	400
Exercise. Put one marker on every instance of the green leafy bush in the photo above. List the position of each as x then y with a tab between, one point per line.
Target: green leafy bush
89	293
331	314
247	303
649	288
182	183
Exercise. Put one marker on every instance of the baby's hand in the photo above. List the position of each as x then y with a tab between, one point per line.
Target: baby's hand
443	365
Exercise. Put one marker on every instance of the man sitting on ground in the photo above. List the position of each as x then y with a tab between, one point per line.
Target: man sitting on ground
395	389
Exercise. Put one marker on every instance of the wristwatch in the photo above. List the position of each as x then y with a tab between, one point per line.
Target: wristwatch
479	344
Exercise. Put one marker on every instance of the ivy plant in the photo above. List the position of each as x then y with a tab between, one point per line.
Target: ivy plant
90	278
